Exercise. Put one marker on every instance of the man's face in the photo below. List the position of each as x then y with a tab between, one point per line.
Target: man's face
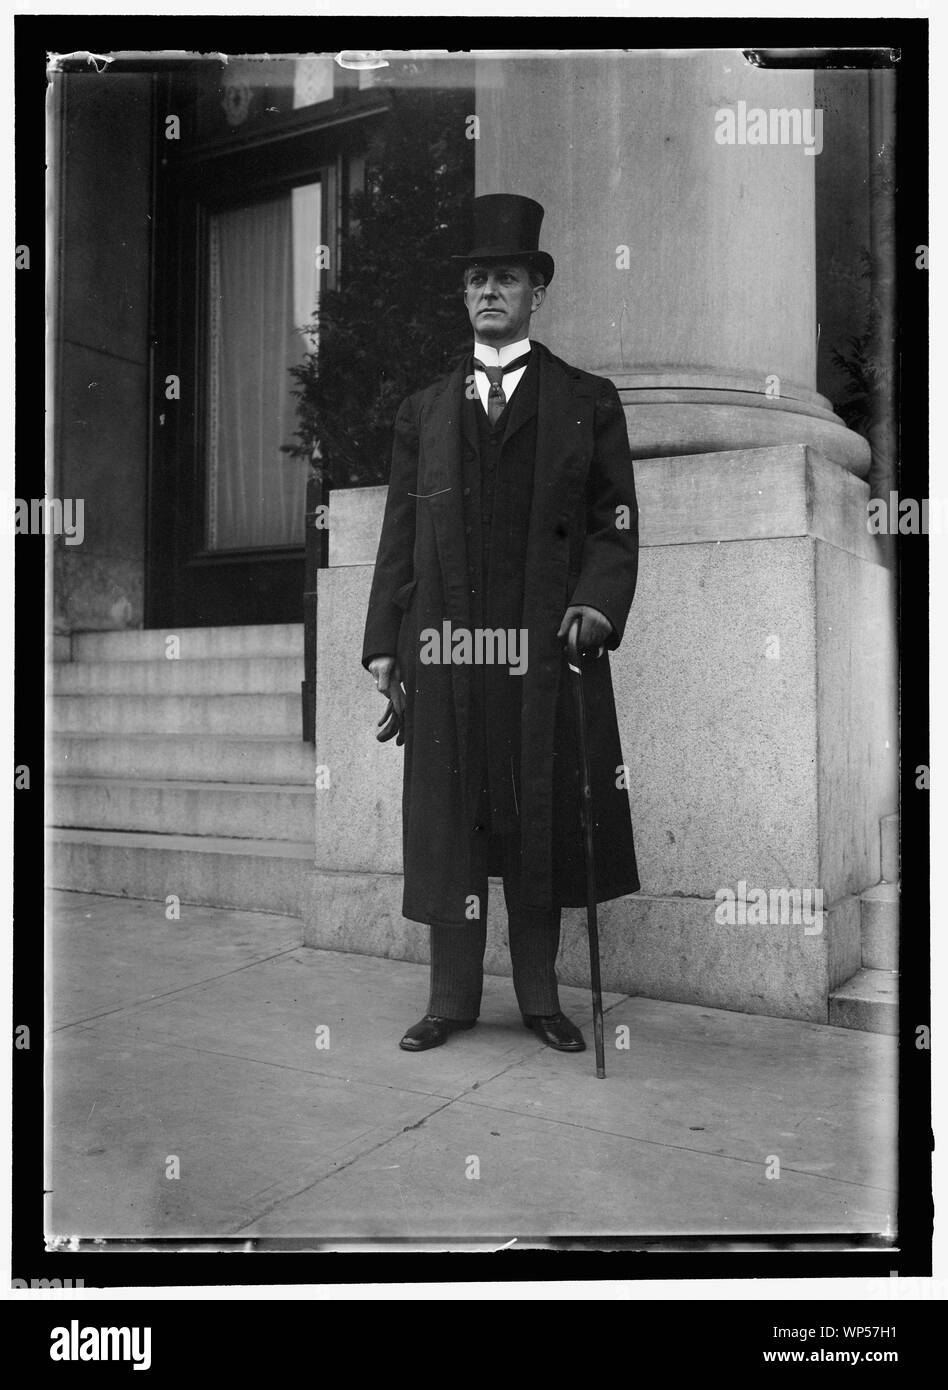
500	300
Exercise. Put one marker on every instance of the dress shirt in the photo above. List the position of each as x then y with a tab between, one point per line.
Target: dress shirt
499	357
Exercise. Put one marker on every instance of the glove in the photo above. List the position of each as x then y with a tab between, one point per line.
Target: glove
391	724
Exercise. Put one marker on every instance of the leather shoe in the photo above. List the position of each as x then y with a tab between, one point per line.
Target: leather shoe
556	1030
431	1031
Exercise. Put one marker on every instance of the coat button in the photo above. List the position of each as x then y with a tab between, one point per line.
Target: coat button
467	492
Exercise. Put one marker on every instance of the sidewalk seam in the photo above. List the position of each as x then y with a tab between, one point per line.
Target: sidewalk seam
308	1187
170	993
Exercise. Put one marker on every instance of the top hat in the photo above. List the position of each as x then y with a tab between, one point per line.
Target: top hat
507	227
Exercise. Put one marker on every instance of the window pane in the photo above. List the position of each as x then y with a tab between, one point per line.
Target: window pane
313	80
249	93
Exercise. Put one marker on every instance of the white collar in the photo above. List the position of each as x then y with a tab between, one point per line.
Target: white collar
499	357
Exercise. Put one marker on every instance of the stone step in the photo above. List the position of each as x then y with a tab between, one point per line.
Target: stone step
176	714
197	643
889	826
265	675
186	757
253	811
869	1002
879	926
258	875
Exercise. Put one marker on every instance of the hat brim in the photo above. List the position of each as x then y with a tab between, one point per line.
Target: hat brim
542	260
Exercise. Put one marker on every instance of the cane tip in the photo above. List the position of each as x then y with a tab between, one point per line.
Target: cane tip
601	1073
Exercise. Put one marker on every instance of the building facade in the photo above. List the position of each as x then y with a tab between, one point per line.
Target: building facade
711	221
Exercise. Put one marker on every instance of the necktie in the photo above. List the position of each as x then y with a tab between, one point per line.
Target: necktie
496	400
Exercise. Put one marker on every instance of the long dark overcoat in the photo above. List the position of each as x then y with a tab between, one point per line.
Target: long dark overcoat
582	549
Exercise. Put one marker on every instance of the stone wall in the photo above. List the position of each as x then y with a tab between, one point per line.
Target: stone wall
102	164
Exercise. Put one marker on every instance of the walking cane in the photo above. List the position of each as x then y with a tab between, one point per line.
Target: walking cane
586	810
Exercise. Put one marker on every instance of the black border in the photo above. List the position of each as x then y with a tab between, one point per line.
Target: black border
34	36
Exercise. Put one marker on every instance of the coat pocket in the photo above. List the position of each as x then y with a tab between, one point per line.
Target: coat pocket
402	597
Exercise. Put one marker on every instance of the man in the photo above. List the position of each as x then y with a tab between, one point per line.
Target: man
511	509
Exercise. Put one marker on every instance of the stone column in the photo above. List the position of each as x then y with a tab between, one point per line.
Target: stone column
685	267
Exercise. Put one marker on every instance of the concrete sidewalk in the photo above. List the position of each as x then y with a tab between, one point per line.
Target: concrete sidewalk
191	1047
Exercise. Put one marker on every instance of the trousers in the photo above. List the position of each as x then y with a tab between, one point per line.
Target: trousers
457	953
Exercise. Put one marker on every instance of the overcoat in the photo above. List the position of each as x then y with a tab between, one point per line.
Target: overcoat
582	548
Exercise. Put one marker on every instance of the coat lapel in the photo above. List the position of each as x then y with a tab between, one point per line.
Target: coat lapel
523	407
565	405
442	427
441	430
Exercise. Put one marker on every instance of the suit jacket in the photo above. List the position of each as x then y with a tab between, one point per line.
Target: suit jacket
582	548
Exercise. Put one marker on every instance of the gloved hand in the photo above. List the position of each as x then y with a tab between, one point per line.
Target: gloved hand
594	628
388	682
390	724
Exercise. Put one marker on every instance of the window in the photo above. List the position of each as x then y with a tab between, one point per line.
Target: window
264	265
254	167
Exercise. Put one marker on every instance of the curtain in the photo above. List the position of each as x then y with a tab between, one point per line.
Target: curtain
263	287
